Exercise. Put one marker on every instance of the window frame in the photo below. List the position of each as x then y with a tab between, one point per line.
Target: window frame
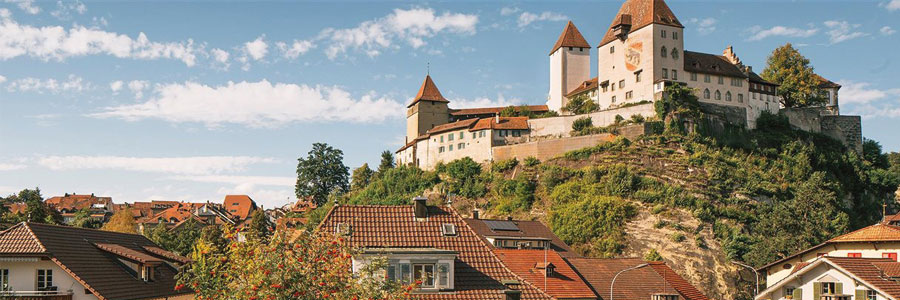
424	284
4	280
45	278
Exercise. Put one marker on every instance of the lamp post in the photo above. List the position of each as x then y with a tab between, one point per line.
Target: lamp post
756	289
620	272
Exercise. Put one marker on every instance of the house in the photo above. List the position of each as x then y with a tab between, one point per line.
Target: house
876	241
839	278
100	208
239	206
432	244
548	271
49	262
635	279
517	234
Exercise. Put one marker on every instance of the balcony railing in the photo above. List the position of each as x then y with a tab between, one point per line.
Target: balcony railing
35	295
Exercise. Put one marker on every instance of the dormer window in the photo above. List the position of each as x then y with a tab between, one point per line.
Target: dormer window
448	229
433	268
547	268
343	229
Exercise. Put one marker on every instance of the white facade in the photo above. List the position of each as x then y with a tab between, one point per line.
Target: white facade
826	280
23	278
778	272
436	270
569	67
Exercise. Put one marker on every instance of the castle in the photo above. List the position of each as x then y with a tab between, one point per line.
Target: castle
641	53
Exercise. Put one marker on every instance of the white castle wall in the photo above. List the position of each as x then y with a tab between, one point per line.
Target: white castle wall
561	126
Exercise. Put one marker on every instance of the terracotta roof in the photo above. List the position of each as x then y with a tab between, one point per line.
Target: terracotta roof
505	123
496	110
478	271
452	126
534	229
173	214
77	202
799	266
17	208
241	205
587	85
570	37
413	142
705	63
641	13
20	239
428	92
641	283
868	270
528	264
875	233
825	83
73	250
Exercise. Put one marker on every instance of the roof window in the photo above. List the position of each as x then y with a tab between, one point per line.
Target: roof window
448	229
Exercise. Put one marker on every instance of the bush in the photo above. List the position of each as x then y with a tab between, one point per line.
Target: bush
594	220
504	165
637	118
514	195
657	209
699	242
581	104
660	224
652	255
582	124
396	186
463	178
678	237
619	119
531	161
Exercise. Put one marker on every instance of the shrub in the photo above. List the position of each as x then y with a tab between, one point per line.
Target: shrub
637	118
594	220
660	224
396	186
699	242
678	237
531	161
582	124
514	195
581	104
619	119
505	165
657	209
463	178
678	226
652	255
553	175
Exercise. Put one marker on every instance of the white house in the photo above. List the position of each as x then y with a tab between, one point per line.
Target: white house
839	278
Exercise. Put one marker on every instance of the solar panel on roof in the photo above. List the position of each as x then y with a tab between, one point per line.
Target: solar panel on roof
502	225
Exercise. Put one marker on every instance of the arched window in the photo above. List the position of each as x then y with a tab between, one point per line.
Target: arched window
674	53
718	95
664	51
706	94
727	96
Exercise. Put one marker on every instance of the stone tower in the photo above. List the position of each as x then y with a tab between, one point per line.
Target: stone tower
427	110
570	66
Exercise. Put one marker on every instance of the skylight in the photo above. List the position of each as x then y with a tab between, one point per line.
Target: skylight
501	225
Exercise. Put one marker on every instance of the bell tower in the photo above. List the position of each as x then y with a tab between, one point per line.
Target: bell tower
570	66
427	110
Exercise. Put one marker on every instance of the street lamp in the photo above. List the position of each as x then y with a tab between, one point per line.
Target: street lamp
756	290
620	272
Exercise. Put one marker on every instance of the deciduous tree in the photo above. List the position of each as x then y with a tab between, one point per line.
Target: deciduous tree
121	221
581	104
361	177
321	173
798	83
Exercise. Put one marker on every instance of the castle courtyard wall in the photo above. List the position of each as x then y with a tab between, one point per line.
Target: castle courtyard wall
562	126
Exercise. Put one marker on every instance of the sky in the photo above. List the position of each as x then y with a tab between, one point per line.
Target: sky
193	100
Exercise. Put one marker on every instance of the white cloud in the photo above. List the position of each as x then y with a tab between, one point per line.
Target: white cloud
887	30
137	87
412	26
221	57
238	179
199	165
527	18
484	102
26	5
841	31
65	9
892	5
704	26
862	93
58	43
70	85
2	79
268	198
509	11
256	104
297	48
11	167
116	86
256	49
758	33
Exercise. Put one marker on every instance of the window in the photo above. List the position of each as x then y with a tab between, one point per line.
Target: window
44	279
425	274
706	94
727	96
441	149
789	290
828	288
344	228
442	138
474	135
404	273
674	74
721	80
663	34
612	87
871	295
693	76
461	146
892	256
481	134
665	52
461	135
706	78
718	97
448	229
613	99
637	77
450	137
444	274
857	255
621	83
604	88
628	95
516	133
754	95
450	148
674	35
665	74
740	98
612	49
4	280
674	53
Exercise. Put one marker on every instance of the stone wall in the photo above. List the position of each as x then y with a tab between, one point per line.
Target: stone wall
733	115
550	148
847	129
561	126
807	118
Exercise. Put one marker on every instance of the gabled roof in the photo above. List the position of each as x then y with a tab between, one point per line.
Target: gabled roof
876	273
496	110
825	83
532	229
642	13
587	85
452	126
705	63
428	92
241	203
77	202
875	233
479	273
641	283
503	123
755	78
75	251
570	37
528	264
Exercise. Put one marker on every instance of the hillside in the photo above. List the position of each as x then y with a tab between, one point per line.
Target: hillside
699	200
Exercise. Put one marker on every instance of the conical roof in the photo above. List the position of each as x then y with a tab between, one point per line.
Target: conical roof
428	92
570	37
642	13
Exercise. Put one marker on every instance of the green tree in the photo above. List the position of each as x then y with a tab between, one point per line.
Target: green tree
259	224
387	161
653	255
361	177
798	83
517	111
594	223
160	235
581	104
83	219
121	221
394	187
463	177
321	173
35	208
872	154
582	123
678	100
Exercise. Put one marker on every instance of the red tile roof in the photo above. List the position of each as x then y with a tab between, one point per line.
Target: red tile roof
875	233
241	205
505	123
871	271
17	208
642	13
74	250
428	92
452	126
570	37
478	271
496	110
533	229
641	283
77	202
564	284
587	85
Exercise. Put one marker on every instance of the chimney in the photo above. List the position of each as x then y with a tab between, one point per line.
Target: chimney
509	218
421	209
511	291
475	214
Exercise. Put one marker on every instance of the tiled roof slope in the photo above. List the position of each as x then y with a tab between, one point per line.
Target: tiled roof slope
526	229
478	272
496	110
74	250
452	126
570	37
643	13
504	123
428	92
20	239
76	202
868	270
635	284
705	63
244	205
564	284
875	233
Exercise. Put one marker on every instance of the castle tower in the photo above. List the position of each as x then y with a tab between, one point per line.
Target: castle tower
570	66
643	45
427	110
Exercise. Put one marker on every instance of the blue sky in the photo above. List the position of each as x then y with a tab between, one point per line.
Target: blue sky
194	100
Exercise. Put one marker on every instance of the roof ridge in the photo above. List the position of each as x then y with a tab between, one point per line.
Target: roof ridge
84	229
570	37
